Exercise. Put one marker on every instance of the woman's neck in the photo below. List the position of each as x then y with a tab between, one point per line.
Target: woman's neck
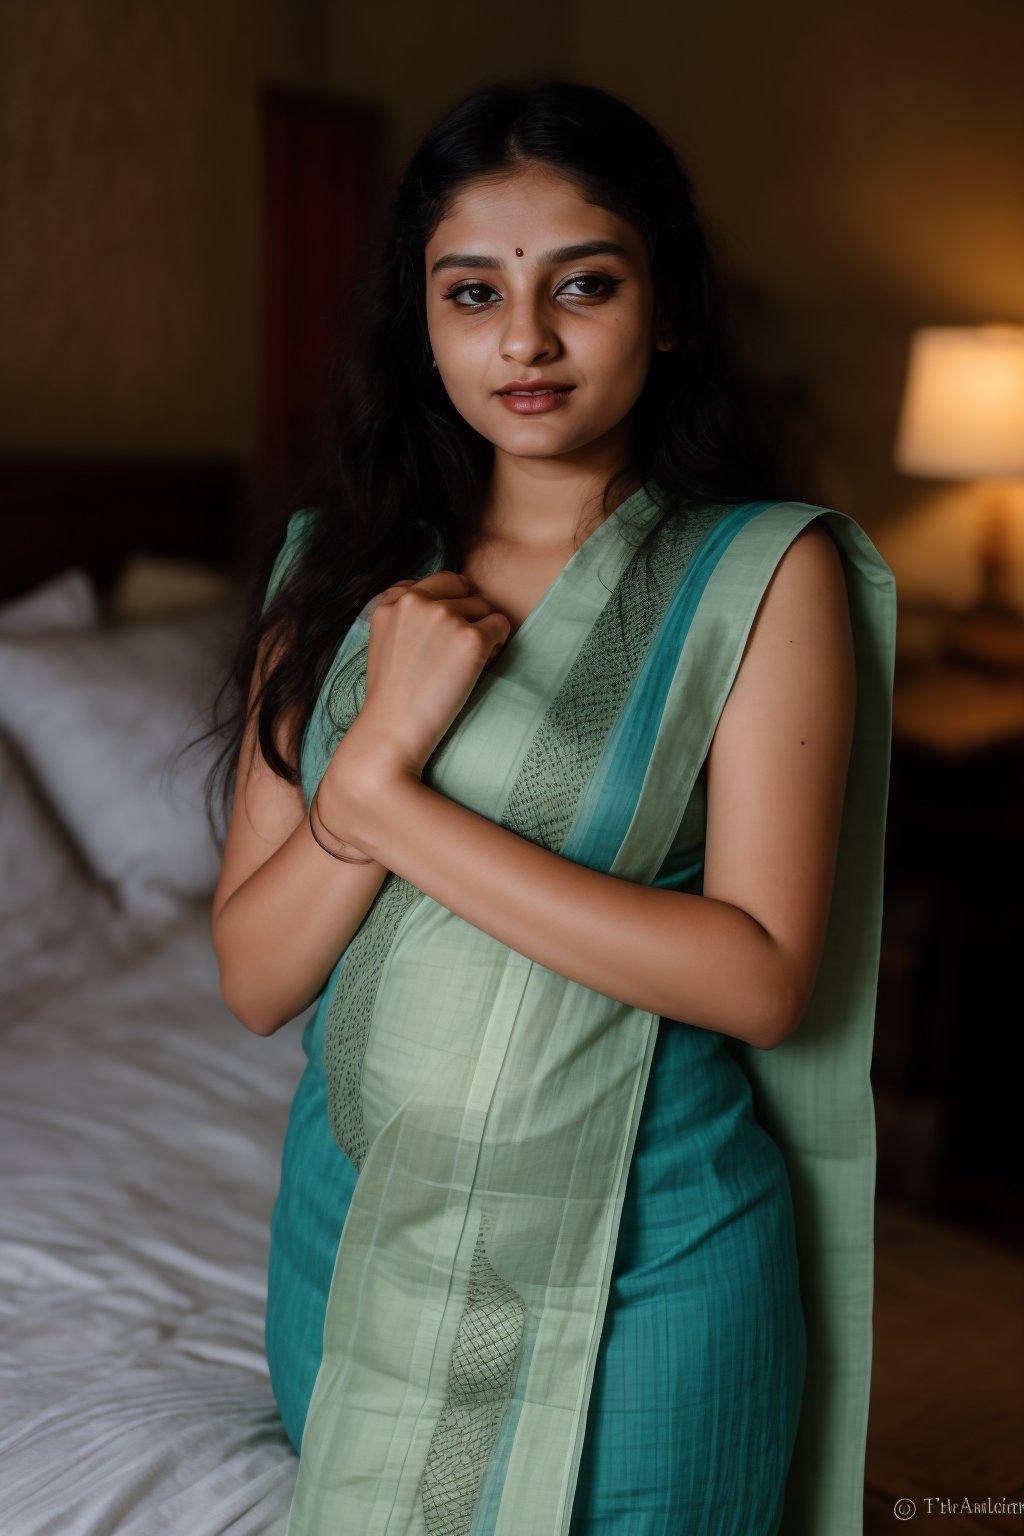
538	505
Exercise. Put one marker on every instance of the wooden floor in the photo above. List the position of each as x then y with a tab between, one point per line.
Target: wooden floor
947	1401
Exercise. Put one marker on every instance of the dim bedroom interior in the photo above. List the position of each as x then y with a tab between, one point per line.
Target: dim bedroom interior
190	189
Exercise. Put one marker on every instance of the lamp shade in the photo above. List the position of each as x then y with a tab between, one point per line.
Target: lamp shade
963	403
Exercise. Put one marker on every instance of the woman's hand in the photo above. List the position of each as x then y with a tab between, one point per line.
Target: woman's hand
429	642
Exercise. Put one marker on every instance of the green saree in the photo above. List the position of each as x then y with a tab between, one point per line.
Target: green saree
489	1108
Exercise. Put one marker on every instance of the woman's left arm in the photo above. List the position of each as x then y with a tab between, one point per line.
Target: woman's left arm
742	958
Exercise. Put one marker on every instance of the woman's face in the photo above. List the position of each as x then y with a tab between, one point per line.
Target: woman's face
512	299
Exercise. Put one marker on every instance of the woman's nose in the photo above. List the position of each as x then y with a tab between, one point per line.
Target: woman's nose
528	335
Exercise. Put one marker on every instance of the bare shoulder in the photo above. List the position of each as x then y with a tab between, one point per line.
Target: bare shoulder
805	614
811	570
779	758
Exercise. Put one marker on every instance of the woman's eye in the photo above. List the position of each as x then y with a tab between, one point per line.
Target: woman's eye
603	283
474	288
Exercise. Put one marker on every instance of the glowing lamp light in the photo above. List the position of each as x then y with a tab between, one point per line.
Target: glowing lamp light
962	418
963	403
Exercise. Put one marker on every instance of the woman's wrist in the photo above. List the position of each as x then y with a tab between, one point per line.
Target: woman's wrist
354	790
329	841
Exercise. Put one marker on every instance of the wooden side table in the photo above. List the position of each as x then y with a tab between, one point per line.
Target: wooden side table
954	921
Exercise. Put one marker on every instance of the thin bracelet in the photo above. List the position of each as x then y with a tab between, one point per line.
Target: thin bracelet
336	851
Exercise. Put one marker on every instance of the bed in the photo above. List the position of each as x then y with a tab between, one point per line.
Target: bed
140	1123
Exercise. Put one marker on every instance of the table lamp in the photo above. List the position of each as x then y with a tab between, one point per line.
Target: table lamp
962	418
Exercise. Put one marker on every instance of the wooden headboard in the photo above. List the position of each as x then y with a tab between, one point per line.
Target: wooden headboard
97	513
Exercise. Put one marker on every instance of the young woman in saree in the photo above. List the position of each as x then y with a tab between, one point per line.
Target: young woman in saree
561	793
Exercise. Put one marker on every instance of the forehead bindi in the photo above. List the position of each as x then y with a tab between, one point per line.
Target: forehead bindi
480	229
579	250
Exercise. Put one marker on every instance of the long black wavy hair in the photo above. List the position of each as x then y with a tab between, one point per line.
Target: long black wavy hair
402	468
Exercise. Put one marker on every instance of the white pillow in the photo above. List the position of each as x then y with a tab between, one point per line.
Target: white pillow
99	717
47	897
67	601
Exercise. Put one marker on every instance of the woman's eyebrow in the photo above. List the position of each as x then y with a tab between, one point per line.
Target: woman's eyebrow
545	259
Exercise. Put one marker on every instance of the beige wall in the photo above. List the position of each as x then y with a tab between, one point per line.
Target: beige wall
858	166
129	205
419	60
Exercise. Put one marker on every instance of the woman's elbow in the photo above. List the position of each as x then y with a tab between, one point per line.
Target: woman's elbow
245	1008
791	1005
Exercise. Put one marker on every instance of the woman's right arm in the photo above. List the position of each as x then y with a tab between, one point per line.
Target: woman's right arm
284	909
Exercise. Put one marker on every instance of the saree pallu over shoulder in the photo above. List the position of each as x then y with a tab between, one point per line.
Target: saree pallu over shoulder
491	1105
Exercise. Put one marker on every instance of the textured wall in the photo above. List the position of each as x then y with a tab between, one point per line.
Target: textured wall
129	204
419	60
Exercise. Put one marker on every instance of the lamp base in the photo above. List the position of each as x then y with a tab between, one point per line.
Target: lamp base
991	633
991	637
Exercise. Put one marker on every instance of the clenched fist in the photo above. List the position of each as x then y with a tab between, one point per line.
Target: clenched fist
429	642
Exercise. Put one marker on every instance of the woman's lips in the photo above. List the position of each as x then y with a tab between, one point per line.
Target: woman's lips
535	404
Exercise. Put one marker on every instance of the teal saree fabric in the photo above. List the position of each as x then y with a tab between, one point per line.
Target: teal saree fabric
492	1136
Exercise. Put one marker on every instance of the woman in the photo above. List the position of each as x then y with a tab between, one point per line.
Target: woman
562	795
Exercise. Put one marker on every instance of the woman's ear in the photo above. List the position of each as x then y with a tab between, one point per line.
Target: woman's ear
664	336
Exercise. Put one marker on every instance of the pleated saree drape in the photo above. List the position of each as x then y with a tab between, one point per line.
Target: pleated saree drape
489	1106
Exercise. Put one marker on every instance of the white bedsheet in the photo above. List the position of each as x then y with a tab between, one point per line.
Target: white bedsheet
140	1136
